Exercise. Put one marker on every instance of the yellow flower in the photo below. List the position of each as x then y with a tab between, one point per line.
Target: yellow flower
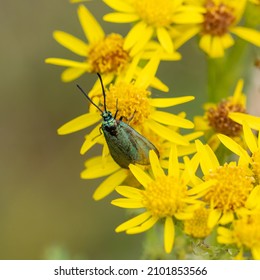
151	17
163	197
253	146
229	186
244	233
221	18
217	117
102	54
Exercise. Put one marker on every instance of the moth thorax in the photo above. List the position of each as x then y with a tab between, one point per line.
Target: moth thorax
107	116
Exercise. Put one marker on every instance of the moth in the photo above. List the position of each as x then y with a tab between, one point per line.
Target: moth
125	144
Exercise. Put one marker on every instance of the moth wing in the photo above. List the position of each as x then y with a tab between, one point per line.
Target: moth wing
128	146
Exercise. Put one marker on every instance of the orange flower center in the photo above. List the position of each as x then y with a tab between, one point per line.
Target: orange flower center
217	19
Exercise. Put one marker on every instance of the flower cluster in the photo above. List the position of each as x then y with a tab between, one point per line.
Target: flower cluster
194	189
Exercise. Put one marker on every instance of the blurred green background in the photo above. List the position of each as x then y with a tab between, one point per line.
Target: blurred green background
46	210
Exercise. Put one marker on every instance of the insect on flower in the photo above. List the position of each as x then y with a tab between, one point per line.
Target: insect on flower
125	144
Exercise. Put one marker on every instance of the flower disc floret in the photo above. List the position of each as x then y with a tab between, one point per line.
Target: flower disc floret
234	184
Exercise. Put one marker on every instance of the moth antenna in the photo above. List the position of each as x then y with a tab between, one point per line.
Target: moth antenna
84	93
103	91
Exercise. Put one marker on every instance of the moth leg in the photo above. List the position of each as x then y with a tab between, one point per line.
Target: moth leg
128	120
100	133
116	108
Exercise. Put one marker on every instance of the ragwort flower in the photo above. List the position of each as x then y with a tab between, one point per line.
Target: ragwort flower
244	233
151	17
221	18
163	198
217	117
249	155
229	188
102	54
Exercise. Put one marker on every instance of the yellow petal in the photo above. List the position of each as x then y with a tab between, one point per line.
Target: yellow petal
144	227
72	74
234	147
170	119
140	175
140	44
216	49
226	218
128	203
71	42
155	164
167	133
186	18
101	170
91	139
252	121
121	17
205	43
249	138
168	235
256	252
238	91
168	102
93	31
207	159
134	35
254	198
119	5
214	216
79	123
129	192
247	34
134	222
148	72
186	35
227	40
109	184
67	62
165	39
158	84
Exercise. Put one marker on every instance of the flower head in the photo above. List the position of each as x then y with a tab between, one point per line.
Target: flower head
217	117
252	143
151	17
244	233
104	54
229	186
220	19
163	197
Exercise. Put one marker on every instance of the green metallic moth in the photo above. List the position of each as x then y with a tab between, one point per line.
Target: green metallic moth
125	144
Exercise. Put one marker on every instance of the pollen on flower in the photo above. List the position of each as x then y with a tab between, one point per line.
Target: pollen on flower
131	101
158	14
164	197
108	55
197	226
217	19
218	118
247	230
256	165
234	184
